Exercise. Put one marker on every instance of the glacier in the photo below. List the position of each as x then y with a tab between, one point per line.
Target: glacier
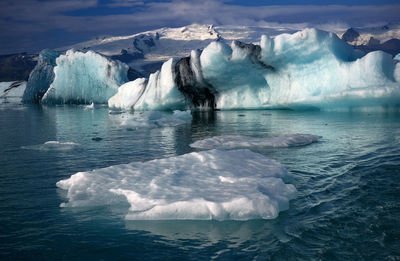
308	69
250	186
85	77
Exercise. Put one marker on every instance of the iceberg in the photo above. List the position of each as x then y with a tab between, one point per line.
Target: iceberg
307	69
310	68
85	78
219	185
233	141
41	76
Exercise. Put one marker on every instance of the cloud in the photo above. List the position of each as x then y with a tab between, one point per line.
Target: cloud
125	3
31	25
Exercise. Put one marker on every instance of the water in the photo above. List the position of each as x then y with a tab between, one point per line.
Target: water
347	208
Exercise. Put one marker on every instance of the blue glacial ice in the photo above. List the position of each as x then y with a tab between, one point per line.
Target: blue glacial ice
41	76
307	69
214	184
85	78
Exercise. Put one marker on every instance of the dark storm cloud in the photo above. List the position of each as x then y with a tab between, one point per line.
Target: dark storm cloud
31	25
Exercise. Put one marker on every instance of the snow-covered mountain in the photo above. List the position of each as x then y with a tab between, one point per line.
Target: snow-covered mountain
147	51
385	38
362	36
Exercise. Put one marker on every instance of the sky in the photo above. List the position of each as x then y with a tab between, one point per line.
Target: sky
32	25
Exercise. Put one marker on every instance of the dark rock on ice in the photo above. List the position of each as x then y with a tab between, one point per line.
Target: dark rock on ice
200	94
16	67
13	85
127	57
350	35
391	46
254	52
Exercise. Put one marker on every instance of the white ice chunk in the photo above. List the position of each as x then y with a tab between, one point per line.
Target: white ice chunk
128	94
53	146
155	119
89	107
221	185
232	141
161	91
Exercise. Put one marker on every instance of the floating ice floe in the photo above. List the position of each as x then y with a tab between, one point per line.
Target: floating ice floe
89	107
155	119
232	141
53	146
220	185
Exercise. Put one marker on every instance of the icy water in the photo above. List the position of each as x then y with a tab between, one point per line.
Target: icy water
347	207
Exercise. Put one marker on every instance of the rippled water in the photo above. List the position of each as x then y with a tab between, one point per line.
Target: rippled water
347	208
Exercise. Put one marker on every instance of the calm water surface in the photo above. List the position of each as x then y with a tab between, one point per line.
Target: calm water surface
347	208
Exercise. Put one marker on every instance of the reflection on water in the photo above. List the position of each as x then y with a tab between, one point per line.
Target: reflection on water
207	232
